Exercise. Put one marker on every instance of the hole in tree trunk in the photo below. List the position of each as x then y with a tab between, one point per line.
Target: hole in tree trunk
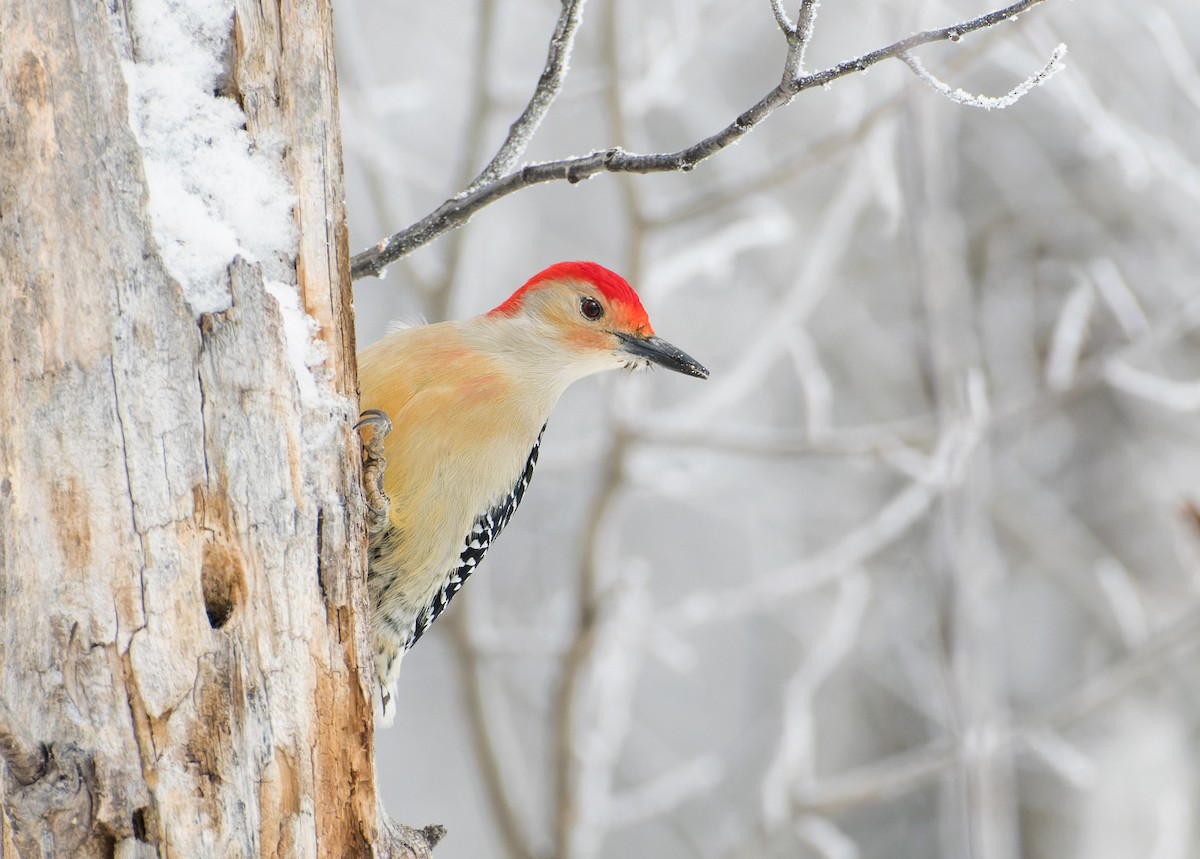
221	581
139	824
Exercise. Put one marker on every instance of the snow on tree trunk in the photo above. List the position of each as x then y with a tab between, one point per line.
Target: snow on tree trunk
181	567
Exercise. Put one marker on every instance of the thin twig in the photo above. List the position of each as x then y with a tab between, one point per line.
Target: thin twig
805	22
810	154
548	87
961	96
1182	319
782	19
457	211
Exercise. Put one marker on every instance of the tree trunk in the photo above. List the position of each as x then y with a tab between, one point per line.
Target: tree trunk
182	609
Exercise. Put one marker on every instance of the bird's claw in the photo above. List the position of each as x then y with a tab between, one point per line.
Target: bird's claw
374	465
378	420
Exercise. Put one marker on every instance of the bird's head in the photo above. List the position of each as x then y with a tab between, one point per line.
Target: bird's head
595	318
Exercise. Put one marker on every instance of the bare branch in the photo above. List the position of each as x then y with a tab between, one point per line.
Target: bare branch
458	210
548	87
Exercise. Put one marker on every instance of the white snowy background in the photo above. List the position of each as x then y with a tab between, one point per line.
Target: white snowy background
914	574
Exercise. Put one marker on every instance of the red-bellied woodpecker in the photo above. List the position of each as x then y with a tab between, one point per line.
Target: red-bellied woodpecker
468	401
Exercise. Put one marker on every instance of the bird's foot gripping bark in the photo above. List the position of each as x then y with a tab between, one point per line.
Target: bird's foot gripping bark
374	464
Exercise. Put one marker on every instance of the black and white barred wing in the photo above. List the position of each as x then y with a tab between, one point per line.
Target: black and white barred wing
484	532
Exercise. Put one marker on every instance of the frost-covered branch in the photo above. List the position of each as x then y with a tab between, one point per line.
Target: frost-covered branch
1070	335
1168	393
1014	95
458	210
798	35
1101	369
781	17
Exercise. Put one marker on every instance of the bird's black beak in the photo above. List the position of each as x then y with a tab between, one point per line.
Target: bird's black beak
662	353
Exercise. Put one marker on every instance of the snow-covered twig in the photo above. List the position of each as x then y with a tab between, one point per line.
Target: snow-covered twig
1178	58
1142	155
988	102
1168	393
1070	332
1121	300
1092	372
815	383
781	18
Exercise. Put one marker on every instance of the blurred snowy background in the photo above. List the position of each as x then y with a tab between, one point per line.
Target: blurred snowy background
915	573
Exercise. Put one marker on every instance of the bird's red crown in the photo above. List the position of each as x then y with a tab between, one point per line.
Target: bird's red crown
608	283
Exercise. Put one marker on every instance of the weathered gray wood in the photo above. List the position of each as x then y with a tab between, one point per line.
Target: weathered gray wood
180	568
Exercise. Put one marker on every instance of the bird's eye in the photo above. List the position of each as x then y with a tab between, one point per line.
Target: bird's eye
590	308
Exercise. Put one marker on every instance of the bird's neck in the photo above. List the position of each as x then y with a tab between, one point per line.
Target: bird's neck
542	364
